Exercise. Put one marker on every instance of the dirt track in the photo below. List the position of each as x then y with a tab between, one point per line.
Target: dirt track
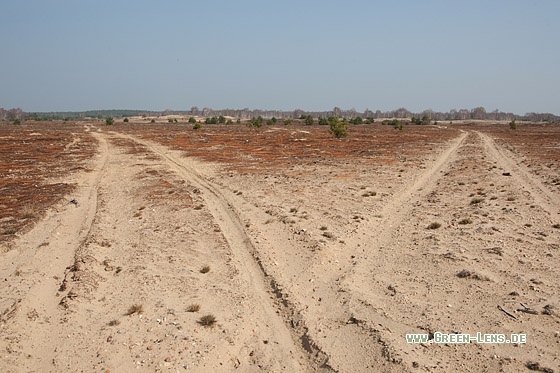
318	261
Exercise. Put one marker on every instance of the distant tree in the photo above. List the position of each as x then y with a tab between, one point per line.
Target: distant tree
309	120
513	125
323	121
221	119
153	121
192	120
194	110
125	120
17	121
109	121
238	121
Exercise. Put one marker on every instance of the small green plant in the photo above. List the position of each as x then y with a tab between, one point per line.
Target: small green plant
135	308
434	225
197	126
338	128
109	121
125	120
513	125
192	120
287	122
17	121
153	121
205	269
207	320
193	307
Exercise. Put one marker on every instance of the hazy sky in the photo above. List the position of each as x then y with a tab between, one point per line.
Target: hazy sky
313	55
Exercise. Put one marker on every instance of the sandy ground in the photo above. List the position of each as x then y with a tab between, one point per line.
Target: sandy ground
322	265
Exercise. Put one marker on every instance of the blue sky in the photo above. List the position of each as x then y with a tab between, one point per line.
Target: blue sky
312	55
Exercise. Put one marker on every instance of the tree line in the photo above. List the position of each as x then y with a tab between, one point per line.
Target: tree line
478	113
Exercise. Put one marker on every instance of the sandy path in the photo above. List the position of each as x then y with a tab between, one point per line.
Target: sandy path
542	195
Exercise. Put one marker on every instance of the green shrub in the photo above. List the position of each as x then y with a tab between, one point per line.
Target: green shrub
192	120
109	121
125	120
337	128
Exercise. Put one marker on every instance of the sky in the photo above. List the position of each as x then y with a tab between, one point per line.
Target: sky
64	55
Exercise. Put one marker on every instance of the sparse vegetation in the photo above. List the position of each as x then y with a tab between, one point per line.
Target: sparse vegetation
114	322
465	221
193	307
197	126
125	120
135	308
207	320
109	121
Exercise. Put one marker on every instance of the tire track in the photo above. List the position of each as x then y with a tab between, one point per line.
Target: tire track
542	196
294	349
377	240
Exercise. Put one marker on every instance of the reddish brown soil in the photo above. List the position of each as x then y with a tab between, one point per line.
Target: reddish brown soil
36	159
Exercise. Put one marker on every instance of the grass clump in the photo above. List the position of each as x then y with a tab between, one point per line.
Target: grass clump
135	308
193	307
465	221
207	320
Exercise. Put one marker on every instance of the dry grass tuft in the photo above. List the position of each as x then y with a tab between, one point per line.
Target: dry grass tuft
207	320
135	308
193	307
434	225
